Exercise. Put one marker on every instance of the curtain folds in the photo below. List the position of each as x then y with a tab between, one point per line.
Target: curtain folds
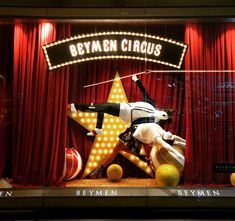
209	102
39	108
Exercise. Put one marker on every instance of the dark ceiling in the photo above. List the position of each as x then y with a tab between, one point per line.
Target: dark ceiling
116	3
120	9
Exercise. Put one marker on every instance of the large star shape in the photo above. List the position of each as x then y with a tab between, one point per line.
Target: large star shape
104	143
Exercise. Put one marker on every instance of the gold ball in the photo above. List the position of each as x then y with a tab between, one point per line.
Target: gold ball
232	179
114	172
167	175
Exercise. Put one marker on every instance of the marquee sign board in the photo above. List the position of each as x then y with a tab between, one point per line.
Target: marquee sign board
114	45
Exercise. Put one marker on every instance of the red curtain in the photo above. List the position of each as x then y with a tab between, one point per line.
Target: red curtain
39	108
209	102
56	119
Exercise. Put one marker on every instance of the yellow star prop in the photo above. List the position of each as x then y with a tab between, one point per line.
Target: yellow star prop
104	144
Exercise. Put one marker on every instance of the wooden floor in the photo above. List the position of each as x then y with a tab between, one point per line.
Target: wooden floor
104	182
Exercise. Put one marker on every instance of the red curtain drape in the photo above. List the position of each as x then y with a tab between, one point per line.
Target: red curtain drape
39	107
209	102
56	119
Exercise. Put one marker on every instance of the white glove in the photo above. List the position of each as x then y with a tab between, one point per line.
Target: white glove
73	108
134	77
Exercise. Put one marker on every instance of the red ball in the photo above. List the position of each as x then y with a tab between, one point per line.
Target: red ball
73	163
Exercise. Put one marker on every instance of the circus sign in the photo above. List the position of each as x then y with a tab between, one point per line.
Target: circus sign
114	45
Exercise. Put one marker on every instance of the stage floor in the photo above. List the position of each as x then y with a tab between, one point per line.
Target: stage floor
105	182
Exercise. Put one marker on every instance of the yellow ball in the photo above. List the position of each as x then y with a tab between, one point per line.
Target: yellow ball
114	172
167	175
232	179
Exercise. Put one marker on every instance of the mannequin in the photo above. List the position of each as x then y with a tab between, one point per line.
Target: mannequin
145	133
134	113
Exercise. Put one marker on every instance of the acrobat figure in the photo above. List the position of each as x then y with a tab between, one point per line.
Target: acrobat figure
134	113
139	114
134	137
153	134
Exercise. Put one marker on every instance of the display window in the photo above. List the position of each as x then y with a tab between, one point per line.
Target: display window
117	108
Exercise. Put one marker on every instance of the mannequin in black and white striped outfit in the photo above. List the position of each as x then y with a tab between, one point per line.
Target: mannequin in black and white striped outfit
134	113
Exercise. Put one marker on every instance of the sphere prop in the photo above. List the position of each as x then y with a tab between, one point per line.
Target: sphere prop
73	163
114	172
160	155
232	179
167	175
